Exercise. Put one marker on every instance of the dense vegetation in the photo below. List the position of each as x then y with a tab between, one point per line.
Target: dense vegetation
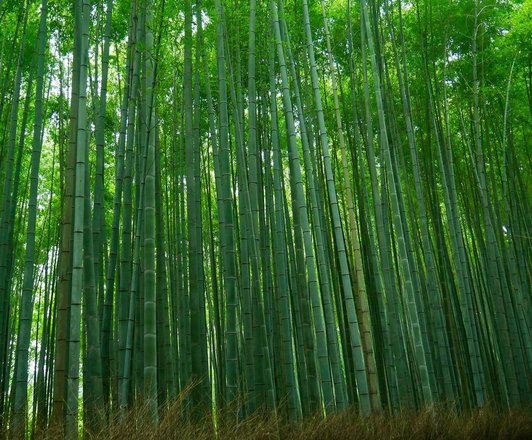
287	207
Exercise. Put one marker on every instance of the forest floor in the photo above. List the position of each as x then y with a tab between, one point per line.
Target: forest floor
437	424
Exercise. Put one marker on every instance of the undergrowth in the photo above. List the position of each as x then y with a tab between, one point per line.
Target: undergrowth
429	424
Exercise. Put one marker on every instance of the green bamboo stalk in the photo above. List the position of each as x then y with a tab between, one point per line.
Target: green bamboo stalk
73	335
20	396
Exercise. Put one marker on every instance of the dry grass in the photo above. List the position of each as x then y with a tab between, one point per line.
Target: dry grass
484	424
435	424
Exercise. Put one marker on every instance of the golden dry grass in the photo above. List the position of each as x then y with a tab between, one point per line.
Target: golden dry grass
435	424
439	423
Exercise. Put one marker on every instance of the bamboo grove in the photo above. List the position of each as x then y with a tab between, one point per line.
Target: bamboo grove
295	206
